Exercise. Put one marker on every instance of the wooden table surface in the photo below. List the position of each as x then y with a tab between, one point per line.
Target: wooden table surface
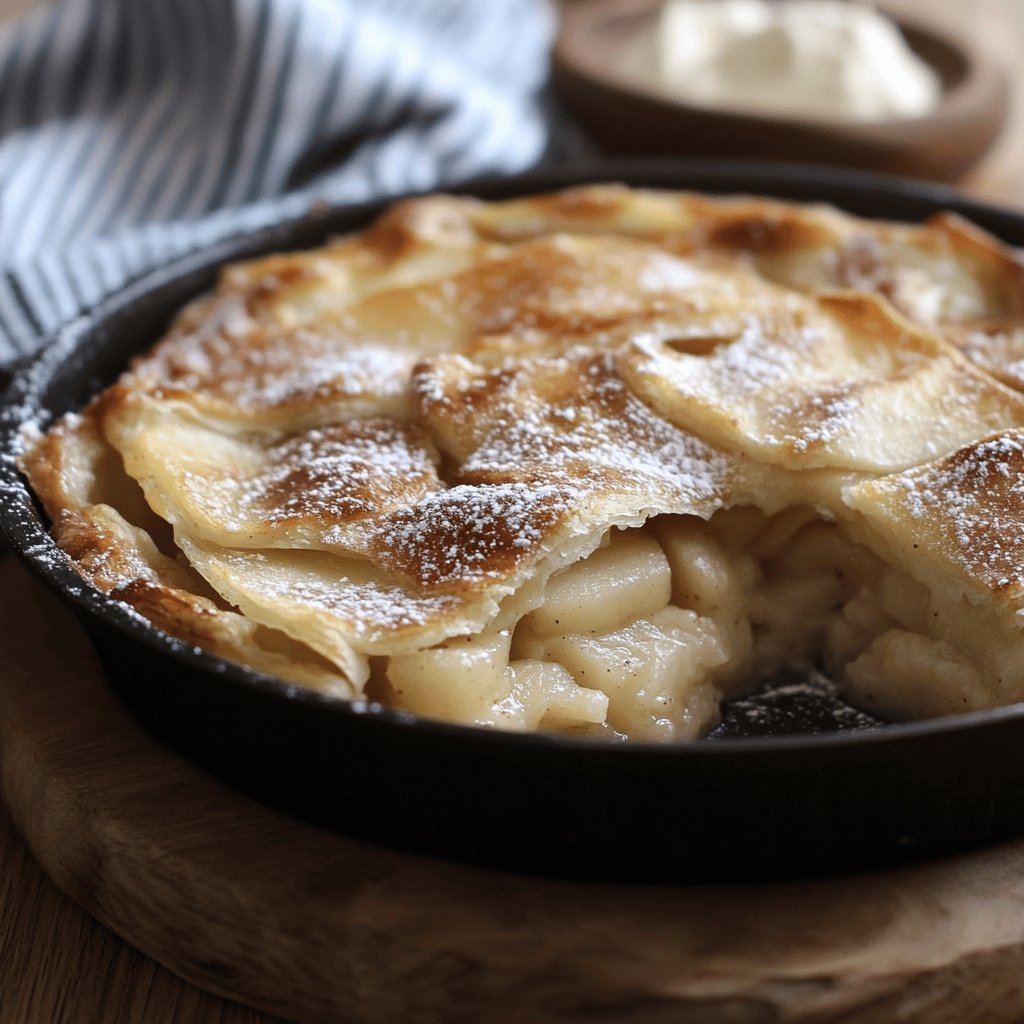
58	965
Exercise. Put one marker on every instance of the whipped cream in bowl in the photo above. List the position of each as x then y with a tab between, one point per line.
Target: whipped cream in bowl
803	59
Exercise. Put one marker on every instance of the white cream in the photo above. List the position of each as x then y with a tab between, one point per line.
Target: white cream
823	59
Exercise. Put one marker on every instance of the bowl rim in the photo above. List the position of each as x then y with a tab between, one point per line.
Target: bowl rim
982	78
20	409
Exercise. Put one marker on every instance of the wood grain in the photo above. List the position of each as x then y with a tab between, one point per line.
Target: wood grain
59	966
311	926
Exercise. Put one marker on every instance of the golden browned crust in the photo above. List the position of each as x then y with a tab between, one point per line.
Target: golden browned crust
962	514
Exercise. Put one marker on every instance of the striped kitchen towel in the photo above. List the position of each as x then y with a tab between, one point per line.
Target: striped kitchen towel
133	131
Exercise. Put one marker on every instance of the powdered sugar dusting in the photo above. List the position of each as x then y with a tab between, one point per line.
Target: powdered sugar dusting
269	369
310	593
757	351
460	537
828	415
325	478
571	418
369	609
969	508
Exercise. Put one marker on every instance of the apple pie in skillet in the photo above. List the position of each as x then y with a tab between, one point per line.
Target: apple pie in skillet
585	462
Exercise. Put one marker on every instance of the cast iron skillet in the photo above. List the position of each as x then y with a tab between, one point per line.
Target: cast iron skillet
729	808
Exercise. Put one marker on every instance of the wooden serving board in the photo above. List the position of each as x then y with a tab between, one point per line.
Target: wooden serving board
311	926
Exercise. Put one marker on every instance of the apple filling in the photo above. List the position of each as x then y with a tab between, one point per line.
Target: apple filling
645	636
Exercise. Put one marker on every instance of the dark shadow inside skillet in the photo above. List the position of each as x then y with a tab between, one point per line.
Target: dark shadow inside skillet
728	808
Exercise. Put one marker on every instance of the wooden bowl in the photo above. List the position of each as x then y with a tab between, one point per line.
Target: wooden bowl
627	116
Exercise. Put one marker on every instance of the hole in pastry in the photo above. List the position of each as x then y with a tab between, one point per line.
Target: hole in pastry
111	485
699	345
448	470
378	689
274	642
798	700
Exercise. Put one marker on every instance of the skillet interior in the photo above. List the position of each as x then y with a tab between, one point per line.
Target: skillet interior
723	809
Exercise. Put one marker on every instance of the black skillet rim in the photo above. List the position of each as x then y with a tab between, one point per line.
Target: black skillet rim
25	532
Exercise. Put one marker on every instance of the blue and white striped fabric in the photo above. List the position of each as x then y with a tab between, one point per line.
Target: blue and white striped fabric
132	131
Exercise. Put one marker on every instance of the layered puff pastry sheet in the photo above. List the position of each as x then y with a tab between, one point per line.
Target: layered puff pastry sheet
585	462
